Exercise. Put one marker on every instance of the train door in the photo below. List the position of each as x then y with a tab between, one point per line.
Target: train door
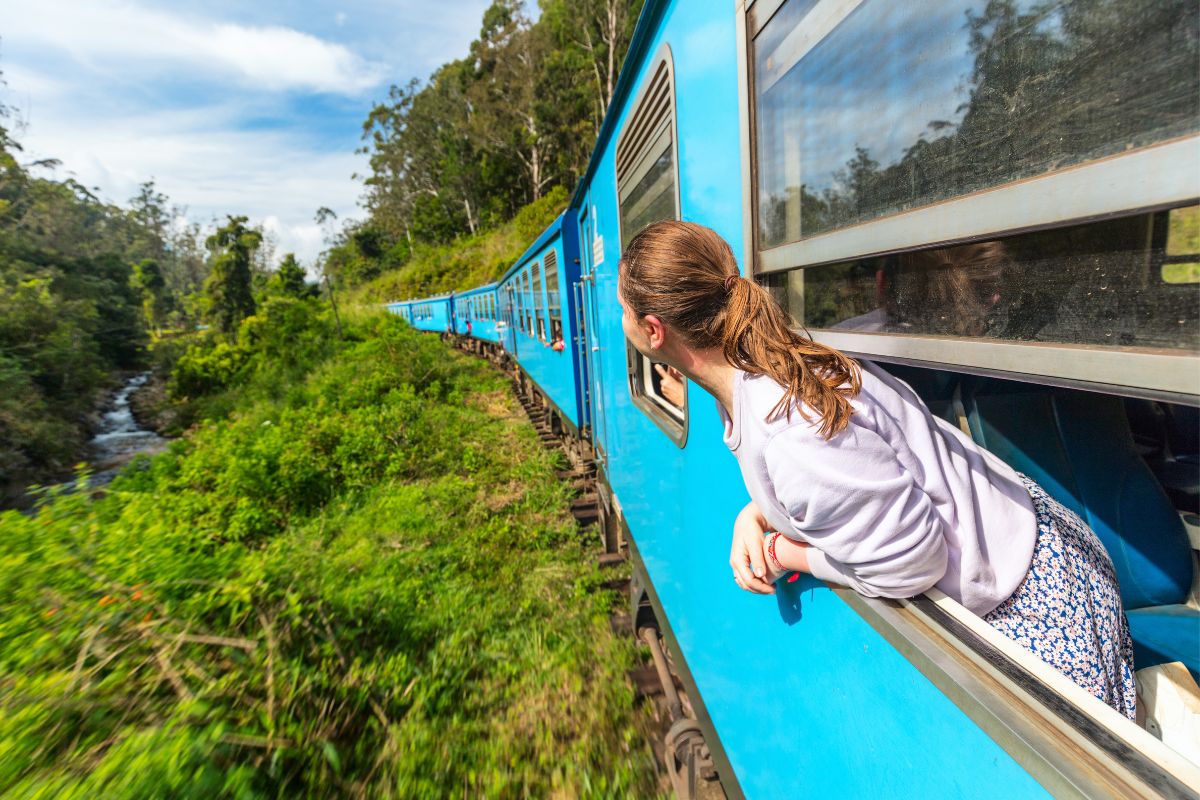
589	333
508	337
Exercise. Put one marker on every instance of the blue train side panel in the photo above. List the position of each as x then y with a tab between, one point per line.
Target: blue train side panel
476	313
430	314
402	309
805	696
544	343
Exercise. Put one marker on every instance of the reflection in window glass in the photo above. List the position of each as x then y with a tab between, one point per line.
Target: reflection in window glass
653	198
906	104
1098	284
1182	264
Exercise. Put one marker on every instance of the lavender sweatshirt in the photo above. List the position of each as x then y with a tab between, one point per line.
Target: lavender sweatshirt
898	502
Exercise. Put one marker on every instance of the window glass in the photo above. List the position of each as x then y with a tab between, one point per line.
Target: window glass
554	304
539	321
905	104
522	303
652	199
528	302
1105	284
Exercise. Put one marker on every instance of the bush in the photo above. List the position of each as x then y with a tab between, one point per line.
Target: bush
367	587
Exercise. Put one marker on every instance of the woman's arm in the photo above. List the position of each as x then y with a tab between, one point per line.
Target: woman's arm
746	556
870	524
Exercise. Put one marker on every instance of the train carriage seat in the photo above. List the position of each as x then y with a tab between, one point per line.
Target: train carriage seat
1079	447
1168	437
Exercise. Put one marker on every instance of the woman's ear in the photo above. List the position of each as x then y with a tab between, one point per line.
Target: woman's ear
656	331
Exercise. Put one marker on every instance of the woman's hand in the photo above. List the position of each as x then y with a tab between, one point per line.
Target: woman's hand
670	384
746	556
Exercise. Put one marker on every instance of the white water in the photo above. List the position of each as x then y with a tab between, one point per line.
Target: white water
120	438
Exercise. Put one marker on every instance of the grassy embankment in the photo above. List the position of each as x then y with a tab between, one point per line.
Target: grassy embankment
465	263
354	577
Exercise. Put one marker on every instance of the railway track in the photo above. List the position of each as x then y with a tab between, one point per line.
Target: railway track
681	750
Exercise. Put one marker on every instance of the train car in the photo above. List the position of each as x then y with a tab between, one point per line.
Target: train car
998	203
402	309
998	199
434	314
476	313
539	323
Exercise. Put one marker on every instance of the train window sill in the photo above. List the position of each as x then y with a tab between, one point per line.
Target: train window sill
1068	740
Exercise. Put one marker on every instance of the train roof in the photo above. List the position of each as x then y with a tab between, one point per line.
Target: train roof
487	287
412	300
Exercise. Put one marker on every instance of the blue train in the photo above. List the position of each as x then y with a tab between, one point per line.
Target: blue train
998	202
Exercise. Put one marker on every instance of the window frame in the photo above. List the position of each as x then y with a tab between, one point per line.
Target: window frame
1150	178
653	142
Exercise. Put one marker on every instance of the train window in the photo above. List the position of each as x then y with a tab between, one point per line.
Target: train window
539	319
521	300
553	302
527	302
866	110
1112	284
648	191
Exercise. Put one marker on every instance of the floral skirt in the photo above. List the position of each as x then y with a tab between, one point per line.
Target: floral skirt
1068	611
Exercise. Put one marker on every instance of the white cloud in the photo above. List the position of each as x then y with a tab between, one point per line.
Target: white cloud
275	178
104	32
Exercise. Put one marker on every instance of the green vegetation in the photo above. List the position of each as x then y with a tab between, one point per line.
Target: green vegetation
469	262
229	290
69	315
1183	240
355	577
86	287
472	148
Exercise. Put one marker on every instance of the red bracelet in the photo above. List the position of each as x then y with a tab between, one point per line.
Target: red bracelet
771	549
795	576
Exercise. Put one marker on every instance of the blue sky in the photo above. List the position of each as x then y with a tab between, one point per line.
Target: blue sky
231	107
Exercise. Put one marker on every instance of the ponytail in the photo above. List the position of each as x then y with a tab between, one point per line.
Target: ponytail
759	339
686	274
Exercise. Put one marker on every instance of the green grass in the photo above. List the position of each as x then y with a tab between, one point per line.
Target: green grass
361	583
466	263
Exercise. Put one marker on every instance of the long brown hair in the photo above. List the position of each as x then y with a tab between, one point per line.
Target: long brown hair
686	275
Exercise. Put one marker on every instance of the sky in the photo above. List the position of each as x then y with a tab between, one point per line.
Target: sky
229	107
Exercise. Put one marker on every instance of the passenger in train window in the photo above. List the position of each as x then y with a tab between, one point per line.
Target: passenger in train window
854	481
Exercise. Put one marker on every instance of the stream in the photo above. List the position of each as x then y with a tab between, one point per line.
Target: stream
119	437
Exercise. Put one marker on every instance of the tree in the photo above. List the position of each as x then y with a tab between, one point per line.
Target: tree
229	288
148	280
289	279
602	29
